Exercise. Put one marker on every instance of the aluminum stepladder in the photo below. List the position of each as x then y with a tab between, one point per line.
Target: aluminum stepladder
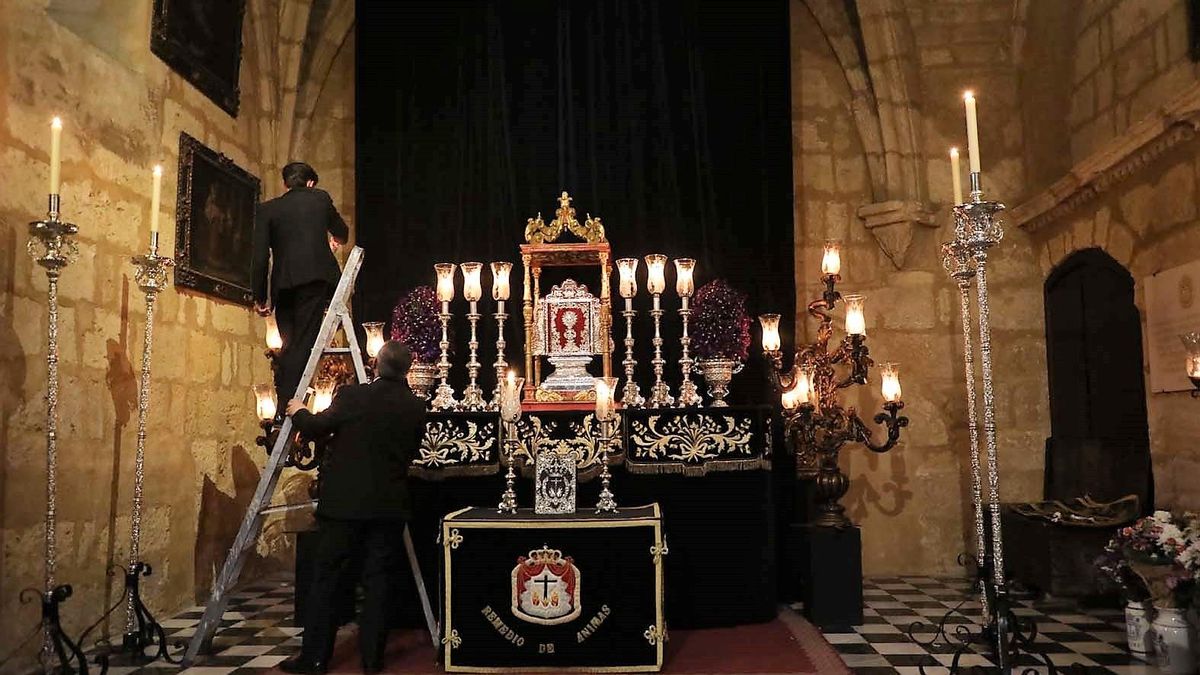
336	315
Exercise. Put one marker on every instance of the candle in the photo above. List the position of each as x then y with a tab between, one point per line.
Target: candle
972	132
264	401
788	399
628	269
1193	366
500	274
510	397
656	281
374	331
605	387
856	322
831	261
890	387
445	282
274	339
323	395
55	153
684	286
956	175
155	197
770	332
472	287
804	388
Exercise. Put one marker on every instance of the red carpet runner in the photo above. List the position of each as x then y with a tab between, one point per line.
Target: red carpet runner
789	645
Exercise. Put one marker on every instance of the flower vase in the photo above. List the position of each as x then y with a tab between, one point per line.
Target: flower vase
718	373
421	378
1173	642
1137	626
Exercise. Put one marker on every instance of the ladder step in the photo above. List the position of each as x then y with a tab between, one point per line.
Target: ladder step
337	350
283	508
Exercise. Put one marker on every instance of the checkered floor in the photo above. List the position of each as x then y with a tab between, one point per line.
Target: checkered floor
258	631
1092	638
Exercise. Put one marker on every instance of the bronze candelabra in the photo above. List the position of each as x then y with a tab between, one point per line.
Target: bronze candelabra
816	425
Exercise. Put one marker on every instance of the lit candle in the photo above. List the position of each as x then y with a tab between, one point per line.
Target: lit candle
55	153
788	399
472	287
890	387
605	386
264	401
323	395
445	283
856	322
510	397
804	389
684	286
831	261
628	269
155	198
972	132
374	330
956	175
656	280
274	339
500	274
770	332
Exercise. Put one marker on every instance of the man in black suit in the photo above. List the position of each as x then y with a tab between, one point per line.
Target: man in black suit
293	232
364	502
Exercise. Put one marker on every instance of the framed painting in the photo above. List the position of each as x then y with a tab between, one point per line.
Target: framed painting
202	41
214	223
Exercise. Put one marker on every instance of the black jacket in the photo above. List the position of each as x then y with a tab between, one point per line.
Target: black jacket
294	229
377	430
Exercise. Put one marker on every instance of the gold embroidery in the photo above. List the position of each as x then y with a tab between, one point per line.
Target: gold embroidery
447	444
453	639
691	439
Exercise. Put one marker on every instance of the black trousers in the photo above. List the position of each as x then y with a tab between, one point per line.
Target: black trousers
340	540
298	311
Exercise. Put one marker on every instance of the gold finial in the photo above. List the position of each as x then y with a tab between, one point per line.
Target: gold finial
538	232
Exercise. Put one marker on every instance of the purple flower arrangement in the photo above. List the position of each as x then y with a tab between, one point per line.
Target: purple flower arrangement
415	322
721	324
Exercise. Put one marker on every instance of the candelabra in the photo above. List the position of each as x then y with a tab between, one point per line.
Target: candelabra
500	293
510	412
660	393
978	229
472	291
1191	342
606	416
631	396
52	246
684	286
816	425
141	629
444	398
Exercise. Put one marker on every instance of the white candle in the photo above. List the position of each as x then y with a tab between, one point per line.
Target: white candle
831	260
770	332
972	132
890	386
956	175
472	285
656	281
55	154
155	197
445	282
856	321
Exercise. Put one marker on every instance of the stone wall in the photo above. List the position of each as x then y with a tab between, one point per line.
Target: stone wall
123	111
881	184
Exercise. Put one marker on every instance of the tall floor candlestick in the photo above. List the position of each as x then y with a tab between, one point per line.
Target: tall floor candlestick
688	396
660	393
501	364
151	277
631	396
473	395
444	399
53	248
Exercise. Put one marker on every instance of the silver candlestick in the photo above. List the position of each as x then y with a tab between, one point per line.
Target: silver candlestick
688	396
508	500
631	396
606	502
151	277
51	246
501	364
444	400
660	393
473	394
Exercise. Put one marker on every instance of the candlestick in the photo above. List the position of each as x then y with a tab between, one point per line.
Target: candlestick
972	132
155	201
684	268
606	418
55	154
660	393
500	293
956	175
831	259
473	291
631	396
510	413
444	399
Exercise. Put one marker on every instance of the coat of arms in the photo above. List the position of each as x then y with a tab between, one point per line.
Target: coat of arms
545	588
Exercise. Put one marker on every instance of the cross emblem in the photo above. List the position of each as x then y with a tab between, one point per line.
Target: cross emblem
545	580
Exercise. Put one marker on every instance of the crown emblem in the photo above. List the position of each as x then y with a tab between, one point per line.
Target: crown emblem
542	556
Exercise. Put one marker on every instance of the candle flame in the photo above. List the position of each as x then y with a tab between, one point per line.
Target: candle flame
954	152
56	123
968	95
158	169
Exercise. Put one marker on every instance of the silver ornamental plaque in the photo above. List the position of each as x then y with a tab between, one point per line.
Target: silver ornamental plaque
554	482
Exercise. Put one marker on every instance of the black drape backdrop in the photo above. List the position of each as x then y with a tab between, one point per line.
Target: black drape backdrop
667	118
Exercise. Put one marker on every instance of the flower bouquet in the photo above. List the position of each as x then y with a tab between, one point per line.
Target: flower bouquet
415	322
721	336
1153	549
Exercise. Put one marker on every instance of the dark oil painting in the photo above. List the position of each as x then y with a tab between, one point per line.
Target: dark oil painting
202	41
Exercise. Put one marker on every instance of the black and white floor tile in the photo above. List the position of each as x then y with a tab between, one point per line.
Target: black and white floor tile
1068	634
258	631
